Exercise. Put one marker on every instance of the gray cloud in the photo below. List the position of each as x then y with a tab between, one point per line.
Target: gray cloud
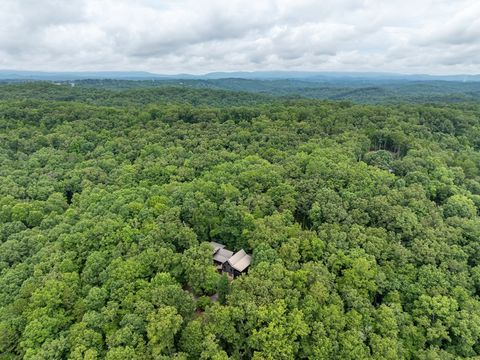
436	36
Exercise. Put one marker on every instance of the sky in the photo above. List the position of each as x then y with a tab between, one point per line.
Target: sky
201	36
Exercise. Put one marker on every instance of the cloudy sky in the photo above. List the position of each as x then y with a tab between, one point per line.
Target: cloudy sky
199	36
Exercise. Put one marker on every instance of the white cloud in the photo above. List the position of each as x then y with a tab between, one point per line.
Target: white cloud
167	36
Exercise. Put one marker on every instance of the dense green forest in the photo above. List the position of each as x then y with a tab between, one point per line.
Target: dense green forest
362	221
247	91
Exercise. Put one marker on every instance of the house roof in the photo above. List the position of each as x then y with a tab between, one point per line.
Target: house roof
216	246
222	255
240	261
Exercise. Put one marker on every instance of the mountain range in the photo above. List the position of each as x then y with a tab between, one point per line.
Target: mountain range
20	75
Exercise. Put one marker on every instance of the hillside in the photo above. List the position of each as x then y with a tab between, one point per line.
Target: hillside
244	91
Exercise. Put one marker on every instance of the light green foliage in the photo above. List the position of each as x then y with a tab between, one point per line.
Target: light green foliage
199	271
161	329
278	332
223	289
458	205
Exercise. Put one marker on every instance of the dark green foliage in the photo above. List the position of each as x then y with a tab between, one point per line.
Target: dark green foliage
223	289
362	221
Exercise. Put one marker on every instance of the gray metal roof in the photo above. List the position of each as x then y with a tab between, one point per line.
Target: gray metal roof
222	255
216	246
240	261
238	255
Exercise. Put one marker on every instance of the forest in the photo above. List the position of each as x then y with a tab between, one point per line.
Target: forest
246	91
362	218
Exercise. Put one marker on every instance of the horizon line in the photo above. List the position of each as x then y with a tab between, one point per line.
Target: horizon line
312	72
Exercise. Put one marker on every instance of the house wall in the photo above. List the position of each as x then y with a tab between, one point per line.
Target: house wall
229	269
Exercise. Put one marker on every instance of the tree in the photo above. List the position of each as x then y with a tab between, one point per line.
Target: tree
276	331
191	341
223	289
459	205
121	353
162	327
199	270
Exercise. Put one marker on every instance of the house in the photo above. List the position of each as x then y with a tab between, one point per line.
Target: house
220	254
216	246
228	262
237	264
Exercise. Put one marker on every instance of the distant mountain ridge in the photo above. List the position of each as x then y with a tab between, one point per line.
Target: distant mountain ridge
20	75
